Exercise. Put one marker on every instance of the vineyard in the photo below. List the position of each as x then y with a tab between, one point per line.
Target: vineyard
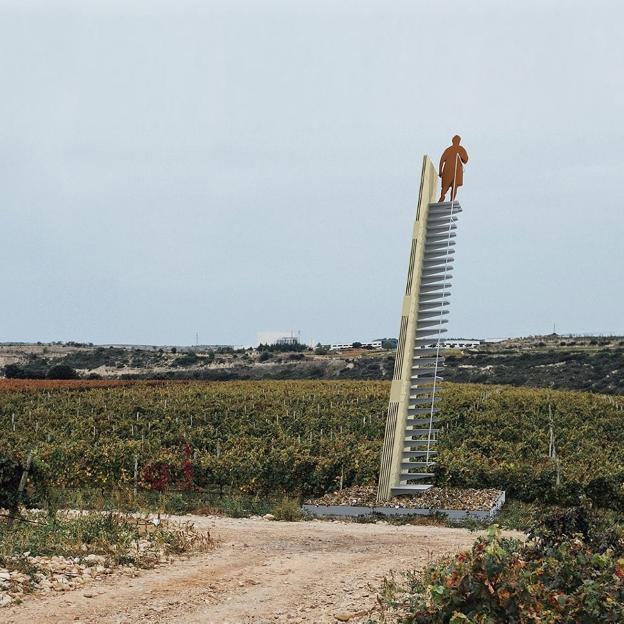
308	437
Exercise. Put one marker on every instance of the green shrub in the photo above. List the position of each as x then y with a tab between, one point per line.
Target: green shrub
570	571
288	509
235	507
62	371
10	475
115	536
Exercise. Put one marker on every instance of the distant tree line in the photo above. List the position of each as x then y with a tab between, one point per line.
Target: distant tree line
283	348
58	371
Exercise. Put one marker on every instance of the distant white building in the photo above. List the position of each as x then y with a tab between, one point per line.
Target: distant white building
340	346
373	344
459	343
278	338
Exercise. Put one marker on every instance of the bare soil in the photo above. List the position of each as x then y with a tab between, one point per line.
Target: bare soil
260	571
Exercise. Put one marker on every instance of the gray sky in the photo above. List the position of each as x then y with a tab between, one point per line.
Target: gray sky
229	167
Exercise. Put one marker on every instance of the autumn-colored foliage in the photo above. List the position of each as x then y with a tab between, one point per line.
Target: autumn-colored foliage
570	576
11	385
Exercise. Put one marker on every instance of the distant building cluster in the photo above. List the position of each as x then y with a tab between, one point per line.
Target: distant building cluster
391	343
271	338
292	338
458	343
373	344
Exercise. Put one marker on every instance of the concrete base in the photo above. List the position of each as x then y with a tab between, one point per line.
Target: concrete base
454	515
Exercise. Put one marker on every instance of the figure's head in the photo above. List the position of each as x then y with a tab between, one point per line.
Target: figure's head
456	139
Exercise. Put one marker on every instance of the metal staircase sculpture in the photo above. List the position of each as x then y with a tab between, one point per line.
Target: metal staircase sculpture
410	440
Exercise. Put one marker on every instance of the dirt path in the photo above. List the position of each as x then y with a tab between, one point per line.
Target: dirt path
260	571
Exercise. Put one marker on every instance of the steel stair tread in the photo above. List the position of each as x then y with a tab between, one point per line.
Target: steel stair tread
410	489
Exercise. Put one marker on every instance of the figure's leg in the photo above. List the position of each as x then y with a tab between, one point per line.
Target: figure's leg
443	192
454	191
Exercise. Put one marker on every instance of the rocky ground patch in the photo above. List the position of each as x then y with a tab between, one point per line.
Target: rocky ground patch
46	555
465	499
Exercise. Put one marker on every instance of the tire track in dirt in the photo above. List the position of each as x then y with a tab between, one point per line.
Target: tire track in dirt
259	572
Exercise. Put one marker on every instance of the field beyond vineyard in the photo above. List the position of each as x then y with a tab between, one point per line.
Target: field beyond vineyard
308	437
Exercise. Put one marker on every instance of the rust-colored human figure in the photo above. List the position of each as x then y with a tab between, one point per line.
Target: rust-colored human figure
452	168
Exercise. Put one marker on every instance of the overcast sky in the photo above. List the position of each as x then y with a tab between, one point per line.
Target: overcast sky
228	167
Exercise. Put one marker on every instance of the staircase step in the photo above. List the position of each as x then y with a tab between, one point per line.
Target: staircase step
405	476
422	413
430	323
422	382
425	369
422	393
438	237
441	217
442	270
433	298
418	453
441	246
432	281
428	343
433	332
418	432
434	262
425	417
444	263
414	401
418	464
410	489
429	370
441	264
445	204
420	351
428	289
432	314
439	273
427	361
440	221
451	207
421	423
437	253
426	408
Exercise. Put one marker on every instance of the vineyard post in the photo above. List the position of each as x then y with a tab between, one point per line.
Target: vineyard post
136	473
552	450
20	488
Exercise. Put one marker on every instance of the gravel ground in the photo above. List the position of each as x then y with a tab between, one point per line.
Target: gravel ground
260	572
434	498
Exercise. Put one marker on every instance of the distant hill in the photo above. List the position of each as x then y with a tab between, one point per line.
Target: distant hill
587	363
